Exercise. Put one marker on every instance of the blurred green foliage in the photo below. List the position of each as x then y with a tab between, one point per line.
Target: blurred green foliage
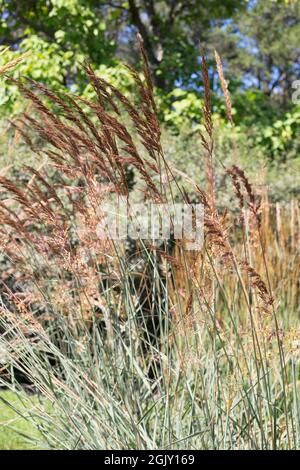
14	429
257	40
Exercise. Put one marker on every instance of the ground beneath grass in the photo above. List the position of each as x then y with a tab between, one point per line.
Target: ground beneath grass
13	428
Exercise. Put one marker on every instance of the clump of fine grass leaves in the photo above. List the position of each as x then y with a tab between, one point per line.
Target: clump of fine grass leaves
143	346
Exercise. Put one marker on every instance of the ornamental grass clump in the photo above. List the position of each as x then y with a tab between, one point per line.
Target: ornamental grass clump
136	344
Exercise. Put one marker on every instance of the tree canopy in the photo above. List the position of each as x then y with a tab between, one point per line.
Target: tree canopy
258	41
105	30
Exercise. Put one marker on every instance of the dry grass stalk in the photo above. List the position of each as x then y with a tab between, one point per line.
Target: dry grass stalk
207	139
12	63
224	87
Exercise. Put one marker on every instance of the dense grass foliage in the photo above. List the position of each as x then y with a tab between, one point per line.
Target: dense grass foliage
140	345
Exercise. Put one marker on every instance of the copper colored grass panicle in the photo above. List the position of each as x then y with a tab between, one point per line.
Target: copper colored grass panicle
12	64
90	147
224	87
207	137
88	150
